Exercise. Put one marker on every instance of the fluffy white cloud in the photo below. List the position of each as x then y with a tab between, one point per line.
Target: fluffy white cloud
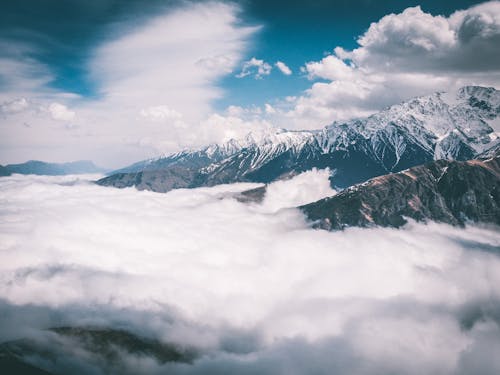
283	68
407	34
304	188
269	109
331	68
250	286
60	112
417	41
14	106
237	124
257	67
400	56
31	125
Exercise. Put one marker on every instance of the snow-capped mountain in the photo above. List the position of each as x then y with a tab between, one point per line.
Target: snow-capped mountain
458	126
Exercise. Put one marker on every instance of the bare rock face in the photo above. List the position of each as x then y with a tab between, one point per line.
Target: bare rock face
456	126
256	195
452	192
160	181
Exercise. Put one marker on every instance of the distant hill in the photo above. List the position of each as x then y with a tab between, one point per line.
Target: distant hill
4	171
51	169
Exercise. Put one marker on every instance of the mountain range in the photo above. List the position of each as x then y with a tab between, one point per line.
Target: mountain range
51	169
455	126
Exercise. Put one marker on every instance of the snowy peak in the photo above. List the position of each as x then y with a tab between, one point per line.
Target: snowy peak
269	138
487	98
441	119
454	126
445	124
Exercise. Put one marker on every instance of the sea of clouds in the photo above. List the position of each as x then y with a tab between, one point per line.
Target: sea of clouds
250	286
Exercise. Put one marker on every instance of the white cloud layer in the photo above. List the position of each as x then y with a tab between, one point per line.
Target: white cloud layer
254	291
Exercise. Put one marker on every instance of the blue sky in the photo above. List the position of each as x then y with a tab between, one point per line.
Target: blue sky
292	31
117	81
299	31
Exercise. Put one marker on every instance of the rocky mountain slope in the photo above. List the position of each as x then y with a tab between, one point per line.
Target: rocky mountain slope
65	350
455	126
51	169
453	192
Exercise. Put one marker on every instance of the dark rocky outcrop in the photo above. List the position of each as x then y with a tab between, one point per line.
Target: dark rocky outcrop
4	171
160	181
452	192
256	195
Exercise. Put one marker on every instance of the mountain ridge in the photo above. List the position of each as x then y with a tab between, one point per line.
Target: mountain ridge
447	191
38	167
456	126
